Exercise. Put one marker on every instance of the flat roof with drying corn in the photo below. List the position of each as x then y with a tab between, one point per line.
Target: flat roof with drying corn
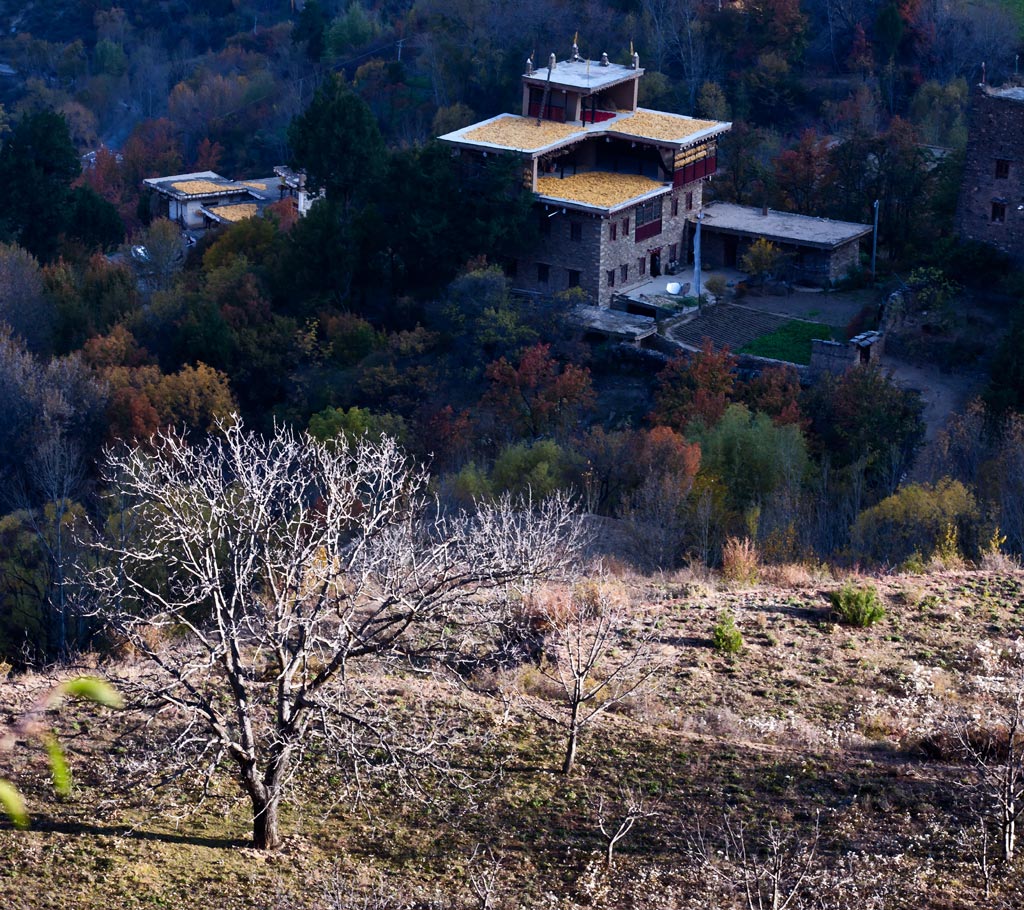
661	126
598	188
525	134
235	213
522	134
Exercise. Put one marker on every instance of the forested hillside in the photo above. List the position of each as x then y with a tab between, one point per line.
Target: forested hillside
341	513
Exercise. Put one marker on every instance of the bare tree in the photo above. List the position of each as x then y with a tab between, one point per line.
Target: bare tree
484	877
23	303
770	871
264	573
616	818
597	655
995	750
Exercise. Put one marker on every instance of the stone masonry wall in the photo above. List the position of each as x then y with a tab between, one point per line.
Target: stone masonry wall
595	253
995	132
555	248
625	250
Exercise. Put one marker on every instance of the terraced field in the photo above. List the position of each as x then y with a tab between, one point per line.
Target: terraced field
728	324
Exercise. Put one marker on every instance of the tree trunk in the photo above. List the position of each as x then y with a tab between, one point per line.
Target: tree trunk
570	748
266	832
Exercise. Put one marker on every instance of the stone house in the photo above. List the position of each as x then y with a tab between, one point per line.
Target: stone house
616	186
991	204
816	251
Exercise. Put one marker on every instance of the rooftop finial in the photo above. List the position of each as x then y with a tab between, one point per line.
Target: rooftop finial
552	62
576	48
604	59
636	60
529	65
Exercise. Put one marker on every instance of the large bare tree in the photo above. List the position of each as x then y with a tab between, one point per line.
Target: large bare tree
265	571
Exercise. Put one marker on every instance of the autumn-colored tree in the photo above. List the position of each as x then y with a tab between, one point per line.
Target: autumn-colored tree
620	462
860	59
106	175
695	387
865	415
447	435
536	395
761	260
208	155
801	174
775	391
152	150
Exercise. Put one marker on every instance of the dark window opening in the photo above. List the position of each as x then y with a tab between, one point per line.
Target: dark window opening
999	212
689	201
613	231
543	272
642	265
625	227
675	206
647	212
624	272
576	232
610	275
574	278
1002	168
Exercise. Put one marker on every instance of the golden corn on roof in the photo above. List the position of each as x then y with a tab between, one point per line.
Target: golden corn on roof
597	187
199	187
655	125
256	184
235	213
521	133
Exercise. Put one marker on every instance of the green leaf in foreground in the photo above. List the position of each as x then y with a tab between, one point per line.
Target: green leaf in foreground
58	766
13	804
94	689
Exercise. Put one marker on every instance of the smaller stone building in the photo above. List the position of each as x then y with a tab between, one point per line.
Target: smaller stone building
991	204
204	198
817	251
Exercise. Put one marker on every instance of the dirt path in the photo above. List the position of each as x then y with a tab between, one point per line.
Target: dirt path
943	393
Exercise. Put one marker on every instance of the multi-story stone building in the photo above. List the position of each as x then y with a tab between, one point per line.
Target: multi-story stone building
616	185
991	204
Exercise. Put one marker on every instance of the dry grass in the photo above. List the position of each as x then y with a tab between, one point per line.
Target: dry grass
655	125
810	715
741	563
522	133
597	187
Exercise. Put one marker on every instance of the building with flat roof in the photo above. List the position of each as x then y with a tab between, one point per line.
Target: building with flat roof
816	251
615	185
204	199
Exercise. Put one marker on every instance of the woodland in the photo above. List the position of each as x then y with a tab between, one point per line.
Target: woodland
372	545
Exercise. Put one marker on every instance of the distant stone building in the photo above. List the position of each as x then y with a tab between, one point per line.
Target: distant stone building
991	204
204	199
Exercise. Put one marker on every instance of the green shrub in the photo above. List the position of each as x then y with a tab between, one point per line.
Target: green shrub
725	636
917	519
858	606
